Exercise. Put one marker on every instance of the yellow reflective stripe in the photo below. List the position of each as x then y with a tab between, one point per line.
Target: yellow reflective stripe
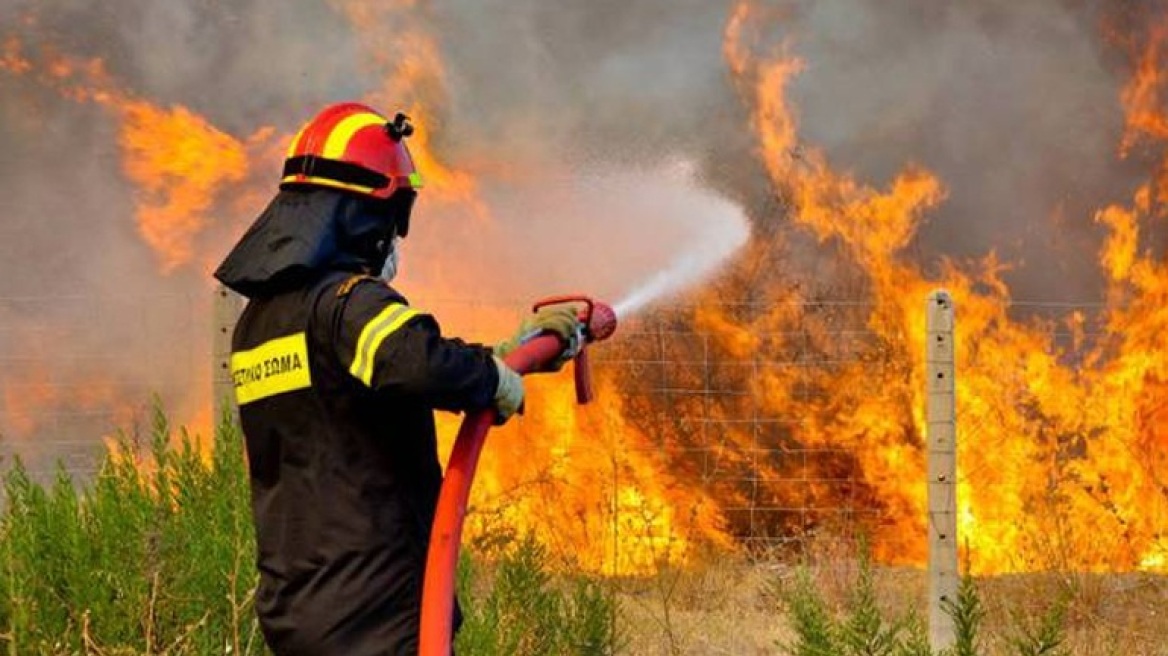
295	140
274	367
416	180
373	334
338	139
325	182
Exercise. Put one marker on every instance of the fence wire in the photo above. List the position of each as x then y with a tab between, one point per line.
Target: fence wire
77	372
797	423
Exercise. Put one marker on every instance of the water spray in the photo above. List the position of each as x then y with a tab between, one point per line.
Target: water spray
598	322
678	276
685	271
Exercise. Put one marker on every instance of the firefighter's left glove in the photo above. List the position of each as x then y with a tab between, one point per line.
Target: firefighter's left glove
563	320
508	394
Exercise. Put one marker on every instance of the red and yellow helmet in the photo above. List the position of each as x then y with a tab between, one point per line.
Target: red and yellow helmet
352	147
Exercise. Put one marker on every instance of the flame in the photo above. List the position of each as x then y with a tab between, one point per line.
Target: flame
11	58
25	402
177	159
1058	450
585	481
35	399
1141	97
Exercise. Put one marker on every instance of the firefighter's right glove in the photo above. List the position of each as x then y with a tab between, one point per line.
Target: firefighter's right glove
563	320
509	393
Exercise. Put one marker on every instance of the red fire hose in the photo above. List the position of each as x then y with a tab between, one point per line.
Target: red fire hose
599	322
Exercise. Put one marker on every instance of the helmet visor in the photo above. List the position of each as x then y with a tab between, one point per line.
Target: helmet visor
397	209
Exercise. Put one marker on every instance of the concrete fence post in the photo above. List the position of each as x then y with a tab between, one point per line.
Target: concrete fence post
226	307
941	433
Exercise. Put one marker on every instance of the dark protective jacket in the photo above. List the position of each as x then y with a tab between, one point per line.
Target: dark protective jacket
336	378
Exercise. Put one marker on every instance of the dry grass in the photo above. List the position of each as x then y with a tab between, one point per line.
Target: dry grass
726	607
1108	614
732	606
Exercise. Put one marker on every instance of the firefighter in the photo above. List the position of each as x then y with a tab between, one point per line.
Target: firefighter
337	376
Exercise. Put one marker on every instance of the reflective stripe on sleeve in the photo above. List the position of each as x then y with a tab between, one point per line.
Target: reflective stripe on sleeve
373	334
274	367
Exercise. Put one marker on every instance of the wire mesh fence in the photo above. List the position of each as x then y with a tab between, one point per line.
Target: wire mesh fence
783	429
708	419
78	371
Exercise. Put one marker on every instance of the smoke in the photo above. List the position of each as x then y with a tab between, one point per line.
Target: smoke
1013	105
605	80
566	114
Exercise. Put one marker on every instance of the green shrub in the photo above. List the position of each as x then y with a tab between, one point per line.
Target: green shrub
967	613
865	632
862	629
524	610
153	556
816	631
1044	636
156	555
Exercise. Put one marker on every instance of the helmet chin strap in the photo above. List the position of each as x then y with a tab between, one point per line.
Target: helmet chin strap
389	269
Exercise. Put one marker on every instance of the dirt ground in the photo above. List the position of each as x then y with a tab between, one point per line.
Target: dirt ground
733	607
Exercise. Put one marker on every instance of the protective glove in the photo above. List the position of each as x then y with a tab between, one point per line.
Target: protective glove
509	392
562	320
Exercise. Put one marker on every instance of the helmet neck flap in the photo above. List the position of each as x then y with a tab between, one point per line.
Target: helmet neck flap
304	233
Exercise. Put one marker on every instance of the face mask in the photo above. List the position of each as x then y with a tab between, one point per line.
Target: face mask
389	269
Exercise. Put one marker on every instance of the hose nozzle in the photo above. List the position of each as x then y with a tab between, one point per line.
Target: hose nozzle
599	318
599	321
